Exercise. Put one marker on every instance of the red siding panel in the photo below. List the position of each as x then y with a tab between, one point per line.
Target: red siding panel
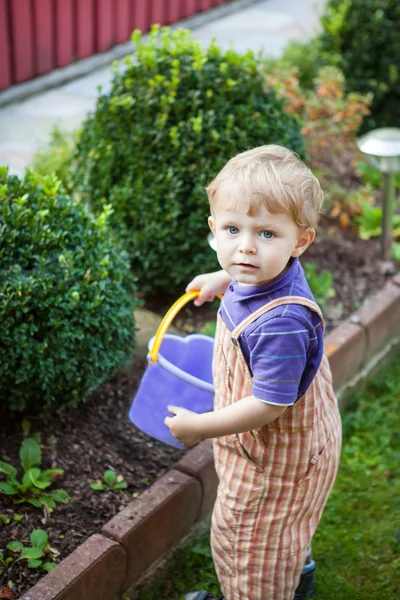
44	46
140	15
104	23
5	52
84	28
189	8
64	32
123	27
22	40
205	4
158	12
174	11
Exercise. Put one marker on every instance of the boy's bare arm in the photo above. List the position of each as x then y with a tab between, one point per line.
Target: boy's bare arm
244	415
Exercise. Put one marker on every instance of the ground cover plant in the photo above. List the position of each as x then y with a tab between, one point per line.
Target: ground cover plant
356	545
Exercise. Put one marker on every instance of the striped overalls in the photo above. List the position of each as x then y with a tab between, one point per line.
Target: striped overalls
274	481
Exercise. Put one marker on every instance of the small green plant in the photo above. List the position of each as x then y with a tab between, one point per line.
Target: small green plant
57	157
34	553
33	488
371	176
370	222
320	284
111	481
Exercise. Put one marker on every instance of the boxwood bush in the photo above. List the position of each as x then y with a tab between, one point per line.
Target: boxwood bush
66	303
362	38
172	119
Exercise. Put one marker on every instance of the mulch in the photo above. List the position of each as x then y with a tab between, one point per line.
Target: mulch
97	435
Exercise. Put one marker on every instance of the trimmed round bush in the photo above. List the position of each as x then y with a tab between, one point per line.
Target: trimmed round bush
172	119
66	302
362	38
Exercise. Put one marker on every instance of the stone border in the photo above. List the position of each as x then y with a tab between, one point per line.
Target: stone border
114	562
86	66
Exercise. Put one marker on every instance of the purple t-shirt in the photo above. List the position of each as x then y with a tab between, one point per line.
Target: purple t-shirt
283	348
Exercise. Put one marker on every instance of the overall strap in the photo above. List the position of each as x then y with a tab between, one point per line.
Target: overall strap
273	304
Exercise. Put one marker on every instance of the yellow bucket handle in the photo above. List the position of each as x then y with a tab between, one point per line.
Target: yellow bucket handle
152	356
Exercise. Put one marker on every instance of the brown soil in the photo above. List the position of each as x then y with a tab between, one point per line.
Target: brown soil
96	436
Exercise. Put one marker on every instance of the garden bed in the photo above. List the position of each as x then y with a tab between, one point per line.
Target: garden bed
96	436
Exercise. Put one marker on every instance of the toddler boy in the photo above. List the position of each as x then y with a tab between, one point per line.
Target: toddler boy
276	425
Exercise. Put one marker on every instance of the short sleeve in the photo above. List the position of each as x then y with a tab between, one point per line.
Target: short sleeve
278	358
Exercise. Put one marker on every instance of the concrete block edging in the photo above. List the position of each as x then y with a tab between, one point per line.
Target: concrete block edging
114	562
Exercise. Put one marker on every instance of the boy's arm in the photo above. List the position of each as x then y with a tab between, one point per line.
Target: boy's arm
209	285
244	415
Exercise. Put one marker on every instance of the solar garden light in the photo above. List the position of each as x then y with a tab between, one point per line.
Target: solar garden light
382	146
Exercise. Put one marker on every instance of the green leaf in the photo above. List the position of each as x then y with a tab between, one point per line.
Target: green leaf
38	538
59	496
15	546
47	474
31	553
26	426
35	502
36	437
27	481
34	563
8	469
6	520
48	501
17	517
109	477
49	566
120	486
35	477
97	486
30	454
7	489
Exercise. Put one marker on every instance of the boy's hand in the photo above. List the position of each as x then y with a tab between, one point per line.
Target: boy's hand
183	425
209	285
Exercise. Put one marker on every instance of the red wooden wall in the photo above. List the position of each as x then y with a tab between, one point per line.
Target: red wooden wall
37	36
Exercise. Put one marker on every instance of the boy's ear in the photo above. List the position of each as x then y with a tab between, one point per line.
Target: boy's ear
211	224
306	238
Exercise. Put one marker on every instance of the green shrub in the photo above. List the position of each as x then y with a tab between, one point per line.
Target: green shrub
303	56
56	157
362	38
65	297
173	117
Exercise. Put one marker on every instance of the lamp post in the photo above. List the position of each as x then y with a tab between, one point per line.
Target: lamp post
382	146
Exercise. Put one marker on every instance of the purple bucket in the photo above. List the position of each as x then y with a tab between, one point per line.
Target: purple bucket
182	376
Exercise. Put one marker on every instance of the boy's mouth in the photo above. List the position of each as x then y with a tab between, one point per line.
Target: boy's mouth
246	266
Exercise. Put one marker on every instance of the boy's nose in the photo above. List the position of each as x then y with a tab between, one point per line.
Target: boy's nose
247	246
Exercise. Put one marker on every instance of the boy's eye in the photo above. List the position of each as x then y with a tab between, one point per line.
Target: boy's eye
233	230
267	235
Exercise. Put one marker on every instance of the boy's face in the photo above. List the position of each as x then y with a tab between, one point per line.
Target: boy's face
256	249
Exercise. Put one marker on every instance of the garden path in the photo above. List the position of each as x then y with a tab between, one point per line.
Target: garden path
265	25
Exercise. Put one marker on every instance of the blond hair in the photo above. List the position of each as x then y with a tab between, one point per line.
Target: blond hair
273	176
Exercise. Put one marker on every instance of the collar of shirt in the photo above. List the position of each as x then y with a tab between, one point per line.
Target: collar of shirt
245	292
